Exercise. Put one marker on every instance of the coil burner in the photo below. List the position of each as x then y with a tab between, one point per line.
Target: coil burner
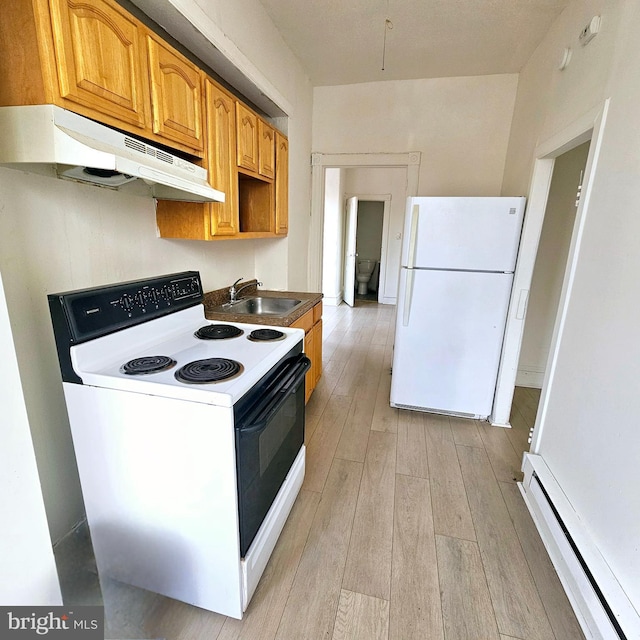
265	335
218	332
147	364
209	370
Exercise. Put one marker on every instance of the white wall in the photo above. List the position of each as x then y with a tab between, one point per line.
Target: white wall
263	55
548	100
589	438
57	235
461	126
27	565
551	261
333	240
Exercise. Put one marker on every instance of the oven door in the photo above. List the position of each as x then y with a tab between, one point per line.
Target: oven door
269	430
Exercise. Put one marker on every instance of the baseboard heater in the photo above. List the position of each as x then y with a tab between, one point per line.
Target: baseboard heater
601	605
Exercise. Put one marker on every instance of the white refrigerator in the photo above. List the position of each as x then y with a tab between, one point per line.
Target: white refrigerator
457	264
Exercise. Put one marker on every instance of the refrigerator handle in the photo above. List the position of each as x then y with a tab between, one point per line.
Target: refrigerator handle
413	236
408	294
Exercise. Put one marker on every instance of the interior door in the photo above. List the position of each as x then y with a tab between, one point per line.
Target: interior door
350	251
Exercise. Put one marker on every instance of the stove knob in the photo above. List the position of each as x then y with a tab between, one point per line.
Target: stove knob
126	302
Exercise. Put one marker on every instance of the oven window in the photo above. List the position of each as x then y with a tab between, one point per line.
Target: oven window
272	439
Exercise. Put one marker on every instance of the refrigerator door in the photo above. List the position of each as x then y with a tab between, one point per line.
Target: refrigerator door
448	340
476	234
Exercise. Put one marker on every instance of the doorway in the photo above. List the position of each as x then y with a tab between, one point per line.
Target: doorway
366	229
327	226
370	222
550	265
590	127
386	185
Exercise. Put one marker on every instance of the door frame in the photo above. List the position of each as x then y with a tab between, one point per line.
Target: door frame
590	126
386	199
321	161
349	254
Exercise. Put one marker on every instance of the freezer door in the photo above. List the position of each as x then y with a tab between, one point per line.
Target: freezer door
478	234
449	331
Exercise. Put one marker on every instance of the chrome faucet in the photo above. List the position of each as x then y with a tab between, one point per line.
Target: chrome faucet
233	292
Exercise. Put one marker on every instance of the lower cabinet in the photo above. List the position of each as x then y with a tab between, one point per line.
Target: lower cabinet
311	322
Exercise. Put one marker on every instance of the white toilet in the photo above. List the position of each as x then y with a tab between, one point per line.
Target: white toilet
363	274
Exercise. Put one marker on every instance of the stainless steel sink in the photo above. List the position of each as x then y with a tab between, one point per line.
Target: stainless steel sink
261	306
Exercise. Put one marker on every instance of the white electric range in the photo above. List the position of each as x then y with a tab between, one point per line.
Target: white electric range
188	436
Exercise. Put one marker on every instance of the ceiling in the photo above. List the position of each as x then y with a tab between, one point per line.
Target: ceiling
343	41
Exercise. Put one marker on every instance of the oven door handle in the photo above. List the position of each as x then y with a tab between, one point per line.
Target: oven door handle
288	386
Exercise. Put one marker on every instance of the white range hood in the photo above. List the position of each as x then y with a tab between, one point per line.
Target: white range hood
36	138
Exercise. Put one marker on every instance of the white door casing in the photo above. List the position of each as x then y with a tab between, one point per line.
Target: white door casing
350	251
322	161
589	127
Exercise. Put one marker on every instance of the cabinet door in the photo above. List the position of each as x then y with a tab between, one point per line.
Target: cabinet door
310	378
99	59
318	351
282	184
221	159
176	96
247	138
266	149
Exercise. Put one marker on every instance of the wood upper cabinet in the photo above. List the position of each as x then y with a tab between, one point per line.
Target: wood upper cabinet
266	149
256	143
211	220
94	58
282	184
220	158
247	138
100	60
176	95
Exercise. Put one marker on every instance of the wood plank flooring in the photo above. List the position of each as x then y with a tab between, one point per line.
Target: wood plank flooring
409	526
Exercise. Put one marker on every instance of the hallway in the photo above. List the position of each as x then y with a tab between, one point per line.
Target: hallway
409	526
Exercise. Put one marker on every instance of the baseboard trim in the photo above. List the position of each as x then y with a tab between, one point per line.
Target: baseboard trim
530	377
593	590
332	302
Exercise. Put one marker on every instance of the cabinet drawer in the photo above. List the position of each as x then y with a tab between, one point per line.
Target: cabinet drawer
305	322
317	312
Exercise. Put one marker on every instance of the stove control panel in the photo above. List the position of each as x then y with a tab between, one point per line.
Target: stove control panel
91	313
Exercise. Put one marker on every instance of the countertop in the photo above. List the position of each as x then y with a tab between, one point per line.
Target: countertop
218	297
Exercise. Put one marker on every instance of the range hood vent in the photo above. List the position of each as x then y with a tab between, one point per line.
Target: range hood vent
40	137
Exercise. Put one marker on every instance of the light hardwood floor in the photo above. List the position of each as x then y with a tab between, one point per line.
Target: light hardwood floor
409	526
